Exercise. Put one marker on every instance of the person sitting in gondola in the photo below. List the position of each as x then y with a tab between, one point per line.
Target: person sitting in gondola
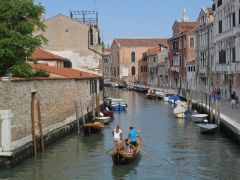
133	139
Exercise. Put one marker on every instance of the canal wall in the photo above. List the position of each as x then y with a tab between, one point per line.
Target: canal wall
60	100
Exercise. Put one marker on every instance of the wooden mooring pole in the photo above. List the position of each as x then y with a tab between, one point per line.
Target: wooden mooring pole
40	126
33	122
77	117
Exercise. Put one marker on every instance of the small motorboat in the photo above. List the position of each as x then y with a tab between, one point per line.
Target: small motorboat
179	112
160	94
166	97
119	107
121	153
206	127
151	94
104	120
93	127
198	118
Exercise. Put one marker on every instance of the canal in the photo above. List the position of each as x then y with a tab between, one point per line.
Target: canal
172	149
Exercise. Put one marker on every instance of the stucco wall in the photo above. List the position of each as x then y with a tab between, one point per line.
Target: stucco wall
57	99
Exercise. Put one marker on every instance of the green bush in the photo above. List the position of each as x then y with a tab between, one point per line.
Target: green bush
40	73
21	69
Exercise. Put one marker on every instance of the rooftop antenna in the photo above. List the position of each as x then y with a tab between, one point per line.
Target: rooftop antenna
185	17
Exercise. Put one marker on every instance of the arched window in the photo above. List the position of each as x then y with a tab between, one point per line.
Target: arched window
192	42
90	36
133	71
133	57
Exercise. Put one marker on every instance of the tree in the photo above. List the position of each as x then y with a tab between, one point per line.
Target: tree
19	21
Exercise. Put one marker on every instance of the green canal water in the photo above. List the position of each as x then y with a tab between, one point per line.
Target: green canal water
176	149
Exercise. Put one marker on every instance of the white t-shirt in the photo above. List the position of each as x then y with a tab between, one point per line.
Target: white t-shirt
116	135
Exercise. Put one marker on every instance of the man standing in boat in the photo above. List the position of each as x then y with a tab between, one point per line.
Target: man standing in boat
117	134
133	138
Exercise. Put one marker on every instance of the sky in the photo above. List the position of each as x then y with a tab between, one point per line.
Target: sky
130	18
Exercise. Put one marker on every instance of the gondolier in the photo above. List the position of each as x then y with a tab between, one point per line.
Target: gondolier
133	137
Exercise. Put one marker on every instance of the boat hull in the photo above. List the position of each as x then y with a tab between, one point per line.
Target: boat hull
207	128
119	107
92	128
198	118
108	113
104	120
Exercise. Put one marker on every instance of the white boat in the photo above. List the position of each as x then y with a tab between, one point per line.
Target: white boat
206	127
166	97
160	94
104	120
179	112
198	118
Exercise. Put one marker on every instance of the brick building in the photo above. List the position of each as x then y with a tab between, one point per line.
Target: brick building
126	54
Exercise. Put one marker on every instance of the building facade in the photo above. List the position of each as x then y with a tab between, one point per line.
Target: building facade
205	51
181	49
163	80
226	29
126	53
74	40
107	63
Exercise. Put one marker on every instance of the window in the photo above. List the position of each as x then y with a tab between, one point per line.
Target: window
239	16
133	57
233	19
133	71
220	26
192	42
91	36
233	54
222	57
219	3
154	59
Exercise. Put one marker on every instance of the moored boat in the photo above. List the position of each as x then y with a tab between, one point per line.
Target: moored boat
206	127
108	113
121	154
104	120
93	127
198	118
119	107
151	94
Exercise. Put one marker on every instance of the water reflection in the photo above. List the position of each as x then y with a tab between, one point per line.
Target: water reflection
123	171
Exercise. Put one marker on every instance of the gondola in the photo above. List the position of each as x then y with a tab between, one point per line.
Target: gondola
93	127
121	153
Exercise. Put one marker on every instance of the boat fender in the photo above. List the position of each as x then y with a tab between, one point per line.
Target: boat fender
205	121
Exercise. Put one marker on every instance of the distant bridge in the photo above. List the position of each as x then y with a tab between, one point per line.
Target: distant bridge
119	81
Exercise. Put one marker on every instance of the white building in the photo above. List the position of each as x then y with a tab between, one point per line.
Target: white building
205	51
227	45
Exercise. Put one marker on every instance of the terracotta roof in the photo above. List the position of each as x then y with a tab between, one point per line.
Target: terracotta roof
152	51
191	61
162	63
141	42
64	72
188	25
210	11
44	55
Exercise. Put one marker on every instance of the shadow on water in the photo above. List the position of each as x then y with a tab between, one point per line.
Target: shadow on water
120	171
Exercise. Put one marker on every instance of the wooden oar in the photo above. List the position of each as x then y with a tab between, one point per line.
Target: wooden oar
148	155
153	157
110	150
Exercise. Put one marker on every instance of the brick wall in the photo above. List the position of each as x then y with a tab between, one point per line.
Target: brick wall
57	101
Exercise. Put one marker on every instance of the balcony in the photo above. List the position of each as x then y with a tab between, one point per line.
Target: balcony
226	68
237	66
203	69
175	68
